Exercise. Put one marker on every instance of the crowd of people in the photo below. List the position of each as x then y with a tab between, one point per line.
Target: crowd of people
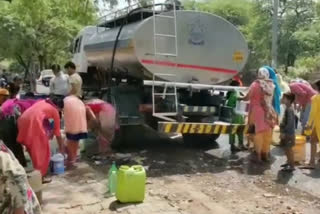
36	122
273	102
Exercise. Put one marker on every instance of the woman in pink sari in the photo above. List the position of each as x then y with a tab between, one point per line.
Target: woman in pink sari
102	122
33	133
262	116
303	93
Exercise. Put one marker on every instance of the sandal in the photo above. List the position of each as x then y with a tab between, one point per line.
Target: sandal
308	166
284	165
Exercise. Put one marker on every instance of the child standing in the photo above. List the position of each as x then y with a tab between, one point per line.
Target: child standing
232	97
75	126
287	131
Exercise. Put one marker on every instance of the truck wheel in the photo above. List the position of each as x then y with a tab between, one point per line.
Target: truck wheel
200	140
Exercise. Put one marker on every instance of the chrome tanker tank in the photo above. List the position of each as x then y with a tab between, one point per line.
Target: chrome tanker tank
209	49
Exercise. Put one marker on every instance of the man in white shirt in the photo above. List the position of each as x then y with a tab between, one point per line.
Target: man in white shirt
75	79
59	85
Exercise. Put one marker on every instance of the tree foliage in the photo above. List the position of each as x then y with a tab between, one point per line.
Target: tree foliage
40	31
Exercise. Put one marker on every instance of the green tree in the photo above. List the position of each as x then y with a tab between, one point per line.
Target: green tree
40	31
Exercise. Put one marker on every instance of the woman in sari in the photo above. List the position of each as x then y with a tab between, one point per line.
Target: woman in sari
313	126
261	113
9	111
102	121
34	133
16	196
303	93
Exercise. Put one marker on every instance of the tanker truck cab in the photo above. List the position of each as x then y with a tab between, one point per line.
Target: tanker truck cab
80	58
166	71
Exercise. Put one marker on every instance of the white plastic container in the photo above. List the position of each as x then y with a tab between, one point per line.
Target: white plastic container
242	107
57	162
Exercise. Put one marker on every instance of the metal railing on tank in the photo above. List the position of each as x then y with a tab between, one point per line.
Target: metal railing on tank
112	17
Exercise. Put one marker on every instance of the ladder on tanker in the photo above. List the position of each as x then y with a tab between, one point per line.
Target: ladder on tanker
158	53
157	34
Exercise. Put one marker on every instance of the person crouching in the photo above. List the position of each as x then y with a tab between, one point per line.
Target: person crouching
75	126
287	131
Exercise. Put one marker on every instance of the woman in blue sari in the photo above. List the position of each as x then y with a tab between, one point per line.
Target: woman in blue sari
277	91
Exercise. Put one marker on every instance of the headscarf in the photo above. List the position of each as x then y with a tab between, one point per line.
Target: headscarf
277	90
265	84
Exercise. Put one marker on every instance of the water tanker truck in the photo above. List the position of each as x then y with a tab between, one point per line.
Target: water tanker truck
167	68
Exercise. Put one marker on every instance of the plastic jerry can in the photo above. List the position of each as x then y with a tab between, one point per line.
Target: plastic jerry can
131	183
299	149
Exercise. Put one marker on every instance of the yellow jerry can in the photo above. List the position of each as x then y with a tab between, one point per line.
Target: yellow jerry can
131	184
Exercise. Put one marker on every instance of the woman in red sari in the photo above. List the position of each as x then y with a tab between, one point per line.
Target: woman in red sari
34	134
102	120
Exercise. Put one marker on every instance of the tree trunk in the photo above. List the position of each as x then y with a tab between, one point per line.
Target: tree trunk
24	64
41	62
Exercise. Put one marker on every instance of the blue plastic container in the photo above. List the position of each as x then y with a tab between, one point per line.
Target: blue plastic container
57	162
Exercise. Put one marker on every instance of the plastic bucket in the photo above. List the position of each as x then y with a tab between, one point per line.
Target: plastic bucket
299	149
57	164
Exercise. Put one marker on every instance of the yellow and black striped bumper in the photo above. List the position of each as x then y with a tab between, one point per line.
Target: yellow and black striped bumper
201	128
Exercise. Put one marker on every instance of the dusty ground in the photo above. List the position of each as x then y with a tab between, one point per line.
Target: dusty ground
184	179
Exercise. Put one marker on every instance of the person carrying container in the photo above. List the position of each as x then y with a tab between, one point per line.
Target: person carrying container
262	116
303	93
34	132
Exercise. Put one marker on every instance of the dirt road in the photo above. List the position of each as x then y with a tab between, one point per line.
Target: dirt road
182	180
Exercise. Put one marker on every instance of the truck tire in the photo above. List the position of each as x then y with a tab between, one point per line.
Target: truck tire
201	140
